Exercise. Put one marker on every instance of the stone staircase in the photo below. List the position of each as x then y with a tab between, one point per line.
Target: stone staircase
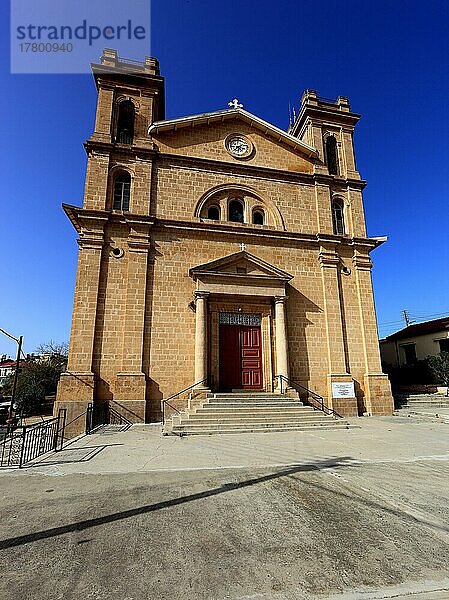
250	412
421	401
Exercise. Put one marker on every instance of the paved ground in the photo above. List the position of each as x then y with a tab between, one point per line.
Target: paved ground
438	414
348	514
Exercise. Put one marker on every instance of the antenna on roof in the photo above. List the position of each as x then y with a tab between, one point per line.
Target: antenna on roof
294	114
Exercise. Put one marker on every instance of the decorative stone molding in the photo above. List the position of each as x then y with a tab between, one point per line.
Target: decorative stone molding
139	238
328	258
91	239
362	262
239	191
201	295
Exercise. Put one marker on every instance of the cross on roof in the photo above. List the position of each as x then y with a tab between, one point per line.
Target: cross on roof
235	104
242	246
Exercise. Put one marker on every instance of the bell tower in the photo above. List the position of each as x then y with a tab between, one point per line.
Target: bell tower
139	85
130	99
328	126
114	230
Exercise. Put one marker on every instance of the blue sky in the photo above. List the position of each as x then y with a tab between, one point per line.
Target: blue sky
389	58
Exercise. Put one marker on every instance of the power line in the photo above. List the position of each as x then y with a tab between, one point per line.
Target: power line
407	319
443	314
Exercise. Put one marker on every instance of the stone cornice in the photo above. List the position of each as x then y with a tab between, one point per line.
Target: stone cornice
107	147
221	166
324	114
224	167
141	225
243	232
81	216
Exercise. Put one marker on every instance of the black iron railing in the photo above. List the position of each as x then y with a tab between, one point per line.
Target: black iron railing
20	445
96	416
311	398
100	414
166	402
116	418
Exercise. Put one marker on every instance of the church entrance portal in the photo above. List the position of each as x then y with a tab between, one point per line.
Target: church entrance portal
240	351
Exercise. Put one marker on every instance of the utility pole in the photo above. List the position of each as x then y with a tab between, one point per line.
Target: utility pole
16	375
406	317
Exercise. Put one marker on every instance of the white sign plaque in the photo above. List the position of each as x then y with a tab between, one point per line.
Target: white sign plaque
343	390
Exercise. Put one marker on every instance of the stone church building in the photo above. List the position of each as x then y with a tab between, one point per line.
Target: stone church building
219	250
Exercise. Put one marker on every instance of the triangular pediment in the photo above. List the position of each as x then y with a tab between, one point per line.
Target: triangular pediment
240	264
233	115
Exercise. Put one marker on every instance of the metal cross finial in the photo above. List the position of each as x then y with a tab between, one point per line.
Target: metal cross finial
235	104
242	246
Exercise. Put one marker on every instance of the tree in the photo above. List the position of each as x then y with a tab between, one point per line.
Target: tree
439	367
56	352
38	377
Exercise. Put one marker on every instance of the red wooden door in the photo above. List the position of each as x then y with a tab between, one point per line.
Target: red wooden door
229	357
240	358
251	358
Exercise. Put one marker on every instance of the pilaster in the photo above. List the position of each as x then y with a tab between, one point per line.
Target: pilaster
86	298
103	117
201	338
282	367
329	262
76	387
96	187
130	386
378	397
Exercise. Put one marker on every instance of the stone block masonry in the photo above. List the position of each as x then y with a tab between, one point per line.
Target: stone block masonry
153	278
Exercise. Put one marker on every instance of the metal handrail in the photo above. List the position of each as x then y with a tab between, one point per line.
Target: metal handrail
164	402
310	395
26	442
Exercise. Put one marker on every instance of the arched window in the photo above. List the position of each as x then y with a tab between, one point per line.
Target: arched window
331	155
338	217
122	191
213	212
125	122
236	211
259	217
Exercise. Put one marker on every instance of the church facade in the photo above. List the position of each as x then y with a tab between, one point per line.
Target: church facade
219	250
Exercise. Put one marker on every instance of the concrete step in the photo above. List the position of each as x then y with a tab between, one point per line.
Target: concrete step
244	393
213	399
429	405
424	397
204	419
236	424
254	405
185	430
254	410
427	399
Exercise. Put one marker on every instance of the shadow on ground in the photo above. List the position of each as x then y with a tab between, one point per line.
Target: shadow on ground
227	487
